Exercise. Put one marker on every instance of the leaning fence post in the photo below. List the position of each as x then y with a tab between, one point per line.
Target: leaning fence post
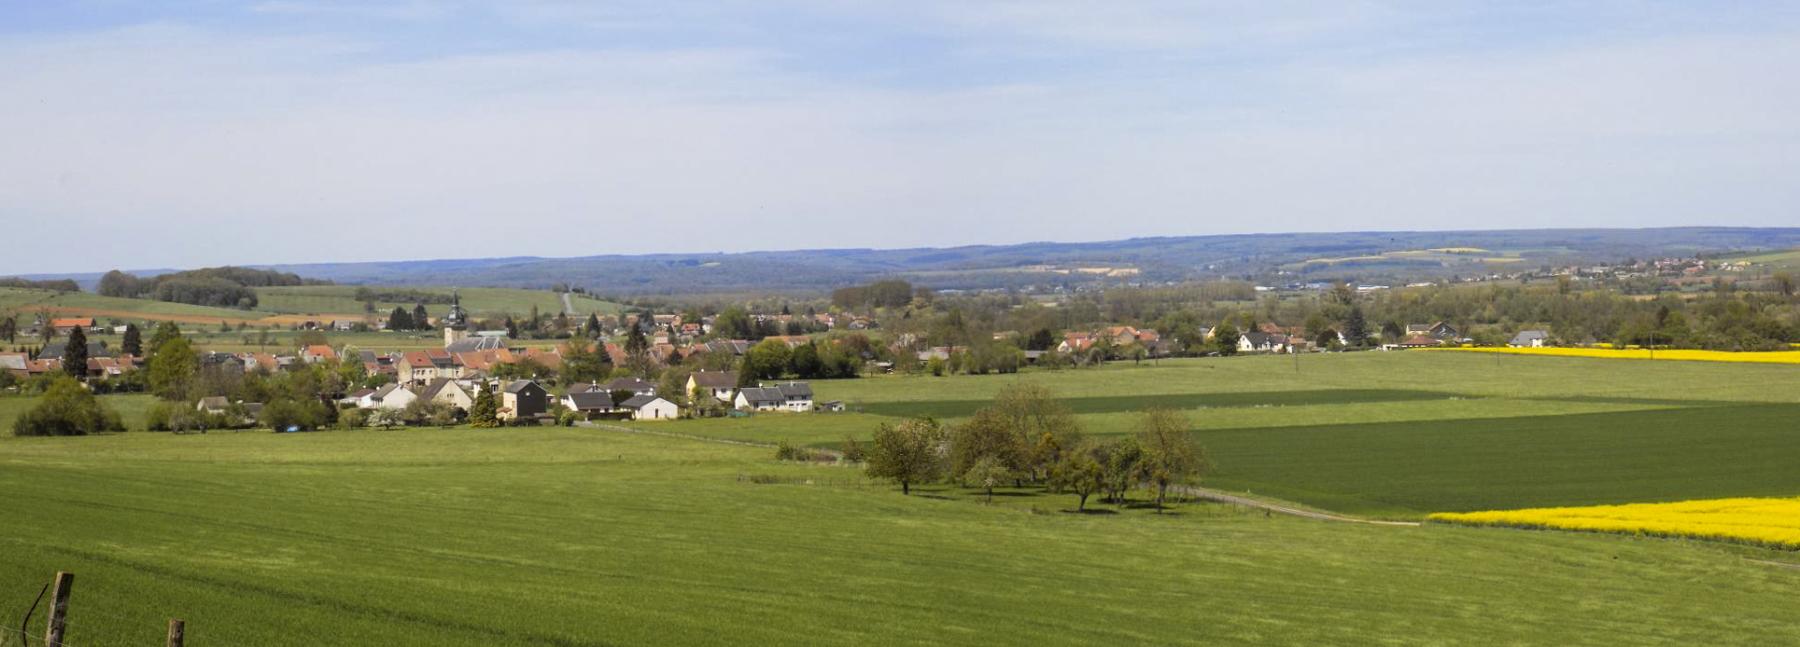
177	631
59	609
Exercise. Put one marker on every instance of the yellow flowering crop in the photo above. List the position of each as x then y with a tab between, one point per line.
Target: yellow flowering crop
1773	522
1760	357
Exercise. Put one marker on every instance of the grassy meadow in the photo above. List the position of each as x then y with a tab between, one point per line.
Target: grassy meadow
1402	434
585	537
555	536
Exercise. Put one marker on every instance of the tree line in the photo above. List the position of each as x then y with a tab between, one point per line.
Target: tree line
225	287
1025	438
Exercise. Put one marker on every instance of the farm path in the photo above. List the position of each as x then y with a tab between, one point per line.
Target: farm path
568	305
669	434
1196	492
1223	497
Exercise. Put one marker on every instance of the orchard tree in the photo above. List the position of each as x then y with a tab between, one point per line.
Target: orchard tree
988	473
1079	473
907	453
1171	457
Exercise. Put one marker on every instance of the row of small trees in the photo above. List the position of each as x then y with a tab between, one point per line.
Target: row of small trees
1026	438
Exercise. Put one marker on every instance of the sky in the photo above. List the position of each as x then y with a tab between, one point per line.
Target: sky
188	133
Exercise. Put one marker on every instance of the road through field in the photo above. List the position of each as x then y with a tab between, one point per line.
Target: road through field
568	304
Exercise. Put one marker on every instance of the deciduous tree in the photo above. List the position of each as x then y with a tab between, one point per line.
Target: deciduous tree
907	453
1171	457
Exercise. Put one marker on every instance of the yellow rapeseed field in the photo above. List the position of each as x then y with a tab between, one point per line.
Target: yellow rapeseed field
1759	357
1773	522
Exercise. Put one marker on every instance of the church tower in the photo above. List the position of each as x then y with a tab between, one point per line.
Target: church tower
456	323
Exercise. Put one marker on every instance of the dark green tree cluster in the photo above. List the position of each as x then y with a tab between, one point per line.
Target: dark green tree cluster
67	409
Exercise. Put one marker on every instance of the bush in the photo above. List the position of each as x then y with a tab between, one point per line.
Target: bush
785	451
67	409
853	451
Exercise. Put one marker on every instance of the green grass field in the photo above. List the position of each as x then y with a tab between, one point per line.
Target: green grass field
483	302
593	537
579	537
1400	434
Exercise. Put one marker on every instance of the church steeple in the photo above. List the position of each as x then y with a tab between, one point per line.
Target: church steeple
455	322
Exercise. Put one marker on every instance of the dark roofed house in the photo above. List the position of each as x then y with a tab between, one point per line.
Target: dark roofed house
523	399
632	384
789	396
55	349
650	407
590	403
719	384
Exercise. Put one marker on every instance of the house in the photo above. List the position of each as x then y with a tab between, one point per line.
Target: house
632	384
1257	341
422	366
590	403
389	396
213	405
54	349
1443	331
18	364
523	399
1530	339
317	353
650	407
1075	342
109	367
63	326
757	398
1420	341
449	392
788	396
718	384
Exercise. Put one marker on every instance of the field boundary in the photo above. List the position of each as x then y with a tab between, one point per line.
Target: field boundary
1207	494
1218	496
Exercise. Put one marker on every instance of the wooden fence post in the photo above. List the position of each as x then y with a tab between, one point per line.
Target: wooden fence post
177	631
59	609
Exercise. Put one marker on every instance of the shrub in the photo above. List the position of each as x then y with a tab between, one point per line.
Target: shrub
785	451
853	451
67	409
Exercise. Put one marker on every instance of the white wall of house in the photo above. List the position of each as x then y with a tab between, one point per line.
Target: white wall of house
658	409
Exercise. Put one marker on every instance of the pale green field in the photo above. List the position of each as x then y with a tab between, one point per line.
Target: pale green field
484	302
25	303
580	537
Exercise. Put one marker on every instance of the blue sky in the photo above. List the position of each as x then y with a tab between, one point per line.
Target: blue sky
195	132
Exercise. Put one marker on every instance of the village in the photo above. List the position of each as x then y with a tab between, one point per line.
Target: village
641	366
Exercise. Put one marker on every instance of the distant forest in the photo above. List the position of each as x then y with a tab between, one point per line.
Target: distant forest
225	287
